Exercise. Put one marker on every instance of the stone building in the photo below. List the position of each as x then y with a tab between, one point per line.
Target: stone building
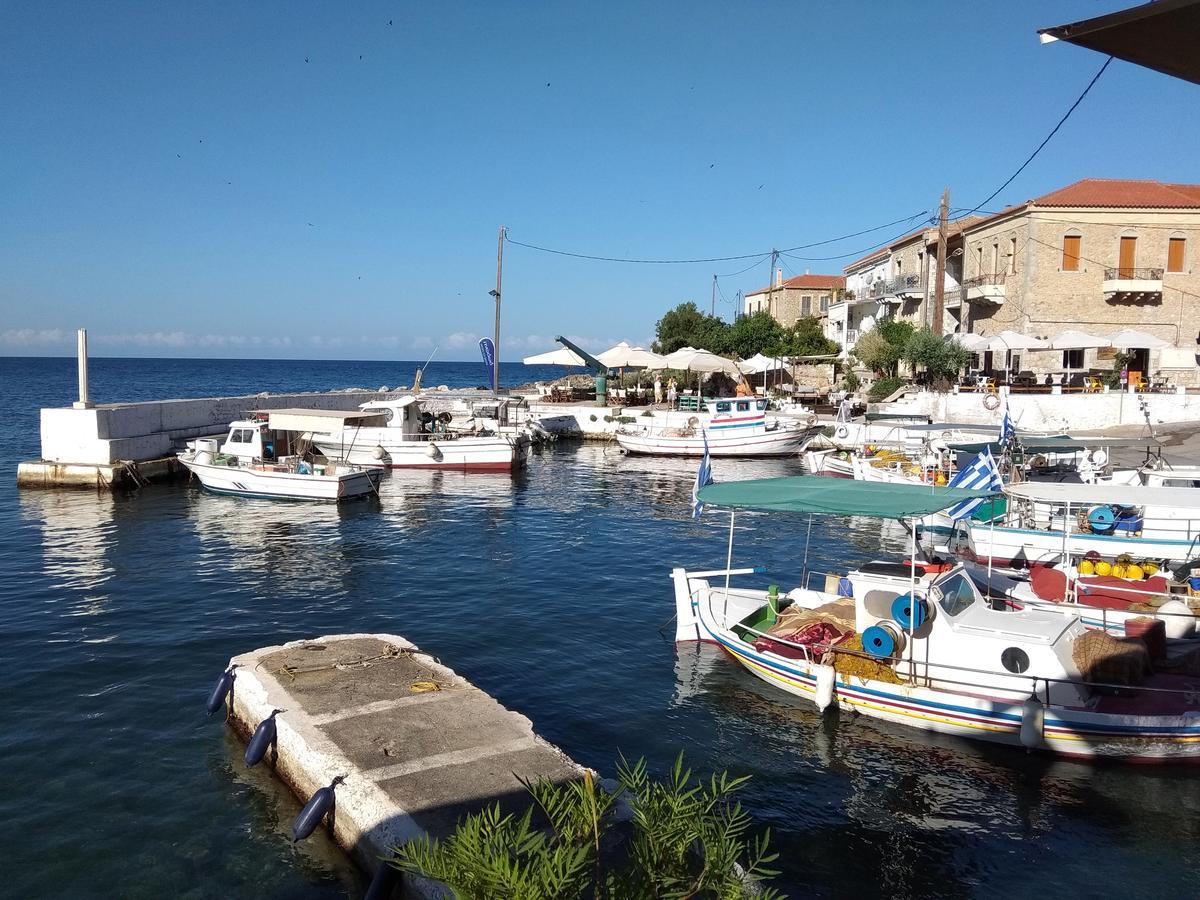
1099	255
793	299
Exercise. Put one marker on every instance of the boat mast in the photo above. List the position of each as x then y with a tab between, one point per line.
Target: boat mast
496	295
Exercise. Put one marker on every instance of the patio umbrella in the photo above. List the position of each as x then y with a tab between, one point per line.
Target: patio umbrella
1014	340
972	342
560	357
623	356
1128	339
757	364
689	359
1078	340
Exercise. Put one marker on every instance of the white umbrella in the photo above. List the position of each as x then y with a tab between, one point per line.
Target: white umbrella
1014	340
624	356
560	357
1128	339
689	359
972	342
1078	340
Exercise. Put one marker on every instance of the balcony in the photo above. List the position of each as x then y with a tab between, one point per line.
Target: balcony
895	290
1130	285
953	297
985	288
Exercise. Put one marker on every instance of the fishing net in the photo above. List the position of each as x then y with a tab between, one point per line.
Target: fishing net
855	662
839	613
1112	660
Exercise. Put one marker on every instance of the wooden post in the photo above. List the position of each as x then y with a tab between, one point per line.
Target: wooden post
713	309
496	294
939	279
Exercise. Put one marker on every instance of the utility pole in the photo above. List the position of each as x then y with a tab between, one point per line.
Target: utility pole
939	278
713	310
771	282
496	294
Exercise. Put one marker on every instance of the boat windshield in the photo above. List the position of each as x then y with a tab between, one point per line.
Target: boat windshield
954	593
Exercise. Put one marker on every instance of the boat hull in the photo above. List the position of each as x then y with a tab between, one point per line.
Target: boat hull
499	454
1006	546
780	442
245	481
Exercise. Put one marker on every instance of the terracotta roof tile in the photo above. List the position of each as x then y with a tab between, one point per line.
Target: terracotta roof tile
831	282
1124	193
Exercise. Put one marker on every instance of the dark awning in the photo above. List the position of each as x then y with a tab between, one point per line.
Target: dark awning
1162	36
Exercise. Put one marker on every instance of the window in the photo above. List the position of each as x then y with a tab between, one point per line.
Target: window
825	303
1128	257
241	436
1176	249
954	594
761	405
1012	256
806	306
723	406
743	406
979	260
996	258
1071	248
1072	359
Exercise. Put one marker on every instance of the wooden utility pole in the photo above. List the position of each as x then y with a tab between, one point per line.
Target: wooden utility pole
771	283
496	295
939	278
713	310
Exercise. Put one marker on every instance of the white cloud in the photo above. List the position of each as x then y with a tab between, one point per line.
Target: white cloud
147	339
460	339
422	342
28	337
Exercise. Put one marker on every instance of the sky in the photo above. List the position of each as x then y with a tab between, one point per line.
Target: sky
322	180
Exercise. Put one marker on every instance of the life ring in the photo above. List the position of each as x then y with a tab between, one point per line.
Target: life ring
842	431
693	422
991	401
812	419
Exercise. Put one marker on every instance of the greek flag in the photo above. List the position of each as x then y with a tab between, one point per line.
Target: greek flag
1007	431
980	475
703	477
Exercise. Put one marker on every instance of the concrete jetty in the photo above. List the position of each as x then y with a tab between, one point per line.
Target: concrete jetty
418	745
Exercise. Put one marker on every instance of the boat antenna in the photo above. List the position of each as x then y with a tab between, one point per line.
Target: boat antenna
421	370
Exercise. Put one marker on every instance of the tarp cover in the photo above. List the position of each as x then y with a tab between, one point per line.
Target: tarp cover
1118	494
1055	444
837	496
320	419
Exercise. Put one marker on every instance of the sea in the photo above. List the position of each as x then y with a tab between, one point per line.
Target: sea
549	589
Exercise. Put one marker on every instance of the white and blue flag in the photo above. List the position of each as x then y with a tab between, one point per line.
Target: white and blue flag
703	477
981	475
1007	431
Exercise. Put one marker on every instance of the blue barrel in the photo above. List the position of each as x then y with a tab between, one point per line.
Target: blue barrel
1101	519
879	642
909	612
1194	583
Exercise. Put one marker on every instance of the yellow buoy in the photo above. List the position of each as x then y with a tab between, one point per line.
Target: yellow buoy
1103	568
1087	567
1150	568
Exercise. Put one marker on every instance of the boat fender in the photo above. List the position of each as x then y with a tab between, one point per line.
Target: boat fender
1099	457
433	451
221	690
262	739
379	452
319	805
1178	619
1033	720
826	682
910	612
883	640
991	401
842	431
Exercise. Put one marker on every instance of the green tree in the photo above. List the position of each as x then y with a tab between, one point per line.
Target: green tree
753	334
941	357
687	326
686	838
882	348
805	338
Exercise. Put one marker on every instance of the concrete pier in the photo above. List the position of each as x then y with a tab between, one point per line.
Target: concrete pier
418	745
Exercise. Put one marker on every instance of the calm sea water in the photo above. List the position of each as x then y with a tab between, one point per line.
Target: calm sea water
547	589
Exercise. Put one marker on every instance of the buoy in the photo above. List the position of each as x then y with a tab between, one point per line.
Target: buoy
1150	568
909	612
842	431
826	680
379	452
1134	572
1178	619
1033	719
1101	519
1087	567
433	450
262	739
220	690
1103	567
318	806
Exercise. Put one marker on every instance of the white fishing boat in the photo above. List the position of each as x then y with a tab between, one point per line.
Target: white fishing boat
728	426
409	436
921	646
269	456
829	461
1056	522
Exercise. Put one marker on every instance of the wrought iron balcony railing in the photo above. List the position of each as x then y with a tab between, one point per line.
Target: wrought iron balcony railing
988	279
1128	273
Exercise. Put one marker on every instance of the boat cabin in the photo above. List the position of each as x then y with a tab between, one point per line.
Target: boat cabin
277	434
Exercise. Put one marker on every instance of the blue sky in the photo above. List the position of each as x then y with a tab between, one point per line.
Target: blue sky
326	180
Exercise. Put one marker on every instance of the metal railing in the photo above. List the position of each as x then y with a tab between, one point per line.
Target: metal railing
902	284
1129	273
987	279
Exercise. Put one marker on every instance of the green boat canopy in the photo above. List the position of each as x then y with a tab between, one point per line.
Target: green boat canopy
836	496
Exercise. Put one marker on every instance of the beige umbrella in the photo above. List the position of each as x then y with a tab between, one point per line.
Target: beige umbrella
623	356
1078	340
1129	339
689	359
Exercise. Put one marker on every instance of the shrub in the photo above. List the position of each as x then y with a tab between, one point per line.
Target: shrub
883	388
685	838
851	382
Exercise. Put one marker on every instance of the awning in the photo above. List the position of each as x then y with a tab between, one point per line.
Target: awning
321	420
1162	36
1096	494
1054	444
836	496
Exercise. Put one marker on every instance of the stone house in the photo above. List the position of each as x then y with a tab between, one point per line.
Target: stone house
1097	256
791	300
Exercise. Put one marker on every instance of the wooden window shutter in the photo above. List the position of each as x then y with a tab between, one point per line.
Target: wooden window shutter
1175	251
1070	261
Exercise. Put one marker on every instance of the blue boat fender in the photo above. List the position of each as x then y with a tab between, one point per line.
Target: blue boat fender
221	690
319	805
262	739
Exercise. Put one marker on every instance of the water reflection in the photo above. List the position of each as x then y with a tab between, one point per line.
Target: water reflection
77	530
